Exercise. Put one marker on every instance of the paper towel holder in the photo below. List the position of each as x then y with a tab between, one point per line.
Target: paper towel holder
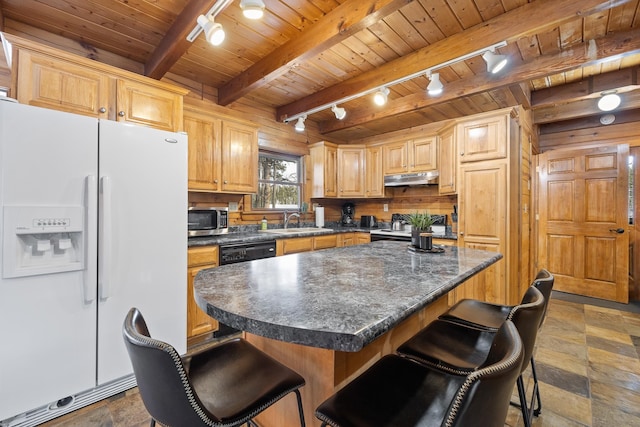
319	210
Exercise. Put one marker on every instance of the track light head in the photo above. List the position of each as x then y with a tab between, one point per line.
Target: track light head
299	126
380	97
340	112
609	101
435	86
252	9
213	31
495	62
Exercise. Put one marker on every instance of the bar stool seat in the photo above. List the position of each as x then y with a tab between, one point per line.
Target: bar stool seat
400	392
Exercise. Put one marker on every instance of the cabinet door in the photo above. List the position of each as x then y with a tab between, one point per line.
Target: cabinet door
483	139
239	158
351	172
331	172
483	221
373	176
198	322
346	239
424	154
448	162
362	238
395	158
46	82
295	245
204	151
324	169
325	242
149	106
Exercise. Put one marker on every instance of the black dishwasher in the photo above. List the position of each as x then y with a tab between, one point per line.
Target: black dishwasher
233	253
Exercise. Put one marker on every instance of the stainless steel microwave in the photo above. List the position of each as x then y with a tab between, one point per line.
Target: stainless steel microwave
207	221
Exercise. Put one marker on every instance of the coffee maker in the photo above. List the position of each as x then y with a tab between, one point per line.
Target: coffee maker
348	215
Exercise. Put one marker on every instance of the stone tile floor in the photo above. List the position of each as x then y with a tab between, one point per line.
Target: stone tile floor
586	358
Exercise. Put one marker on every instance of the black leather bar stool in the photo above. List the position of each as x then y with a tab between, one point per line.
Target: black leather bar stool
491	316
460	349
223	386
400	392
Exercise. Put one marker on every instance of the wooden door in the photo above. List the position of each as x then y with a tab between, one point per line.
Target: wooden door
351	172
204	151
583	238
634	232
423	154
239	158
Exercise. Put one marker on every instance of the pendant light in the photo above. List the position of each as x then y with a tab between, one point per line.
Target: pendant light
252	9
213	31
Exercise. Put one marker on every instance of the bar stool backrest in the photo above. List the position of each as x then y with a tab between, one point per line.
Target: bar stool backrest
484	397
544	283
527	317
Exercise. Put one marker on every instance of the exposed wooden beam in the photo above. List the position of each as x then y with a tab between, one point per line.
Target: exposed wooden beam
582	108
589	53
590	86
175	43
621	117
342	22
509	26
522	94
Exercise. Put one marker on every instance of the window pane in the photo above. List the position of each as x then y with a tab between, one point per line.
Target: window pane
277	196
273	169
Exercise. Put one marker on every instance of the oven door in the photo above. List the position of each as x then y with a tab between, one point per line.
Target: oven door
380	235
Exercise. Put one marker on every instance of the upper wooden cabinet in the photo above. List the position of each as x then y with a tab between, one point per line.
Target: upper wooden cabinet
324	169
51	78
351	171
419	154
373	176
483	138
448	161
223	153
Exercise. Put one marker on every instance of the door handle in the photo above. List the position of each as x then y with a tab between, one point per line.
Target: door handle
617	230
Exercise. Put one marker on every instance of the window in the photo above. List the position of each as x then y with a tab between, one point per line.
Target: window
279	185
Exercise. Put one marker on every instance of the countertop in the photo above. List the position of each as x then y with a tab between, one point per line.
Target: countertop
340	299
258	236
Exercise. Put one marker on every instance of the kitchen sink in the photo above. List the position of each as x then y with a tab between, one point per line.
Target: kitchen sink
301	230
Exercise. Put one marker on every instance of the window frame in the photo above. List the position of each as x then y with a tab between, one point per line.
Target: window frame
299	159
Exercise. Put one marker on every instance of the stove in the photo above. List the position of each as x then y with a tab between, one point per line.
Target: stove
439	228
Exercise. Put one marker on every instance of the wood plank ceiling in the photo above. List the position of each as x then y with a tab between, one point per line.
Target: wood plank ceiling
308	53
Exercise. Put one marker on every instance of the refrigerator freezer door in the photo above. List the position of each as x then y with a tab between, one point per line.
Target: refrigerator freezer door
48	320
143	239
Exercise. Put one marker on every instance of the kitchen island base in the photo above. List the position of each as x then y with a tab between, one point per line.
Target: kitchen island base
326	371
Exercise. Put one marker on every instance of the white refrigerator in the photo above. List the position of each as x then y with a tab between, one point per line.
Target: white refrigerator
92	223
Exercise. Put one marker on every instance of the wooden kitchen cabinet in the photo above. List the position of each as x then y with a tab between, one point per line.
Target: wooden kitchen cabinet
325	242
324	169
483	138
373	175
54	79
355	238
199	322
362	238
294	245
351	171
415	155
447	147
223	153
489	210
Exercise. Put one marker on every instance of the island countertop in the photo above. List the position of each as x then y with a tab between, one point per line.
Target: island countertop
340	299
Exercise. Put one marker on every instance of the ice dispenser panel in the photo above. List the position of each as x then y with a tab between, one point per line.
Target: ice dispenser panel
42	240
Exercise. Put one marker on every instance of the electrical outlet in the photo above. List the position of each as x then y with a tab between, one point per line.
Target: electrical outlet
385	207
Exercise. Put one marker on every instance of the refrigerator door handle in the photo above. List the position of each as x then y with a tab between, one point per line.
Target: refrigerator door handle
89	287
104	259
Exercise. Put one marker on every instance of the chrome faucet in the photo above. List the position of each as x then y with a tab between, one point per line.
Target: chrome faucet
287	218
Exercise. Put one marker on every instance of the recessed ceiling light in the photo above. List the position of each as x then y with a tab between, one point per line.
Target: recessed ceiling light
609	102
607	119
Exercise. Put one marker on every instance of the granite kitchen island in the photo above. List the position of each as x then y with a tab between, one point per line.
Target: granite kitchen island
330	314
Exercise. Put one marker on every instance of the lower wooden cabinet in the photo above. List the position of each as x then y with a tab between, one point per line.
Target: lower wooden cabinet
355	238
199	322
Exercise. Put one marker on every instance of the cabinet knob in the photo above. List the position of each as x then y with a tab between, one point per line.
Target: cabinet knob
225	181
462	153
461	233
215	181
121	113
102	110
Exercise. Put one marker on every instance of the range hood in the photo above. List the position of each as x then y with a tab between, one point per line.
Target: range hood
411	179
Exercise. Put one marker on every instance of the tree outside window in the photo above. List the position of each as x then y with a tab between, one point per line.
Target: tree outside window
279	185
